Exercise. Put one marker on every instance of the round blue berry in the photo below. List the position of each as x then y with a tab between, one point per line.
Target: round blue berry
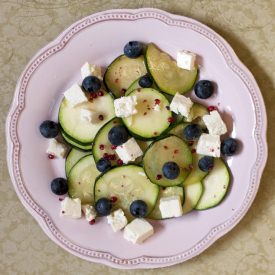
206	163
145	81
138	209
91	84
133	49
118	135
192	132
59	186
49	129
103	165
229	146
103	206
204	89
170	170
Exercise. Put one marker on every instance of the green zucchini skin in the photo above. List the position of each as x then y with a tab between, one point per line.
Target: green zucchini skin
127	183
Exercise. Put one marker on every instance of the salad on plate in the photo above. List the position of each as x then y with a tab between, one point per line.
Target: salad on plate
136	147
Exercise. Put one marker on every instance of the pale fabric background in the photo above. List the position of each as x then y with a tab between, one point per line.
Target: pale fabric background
248	25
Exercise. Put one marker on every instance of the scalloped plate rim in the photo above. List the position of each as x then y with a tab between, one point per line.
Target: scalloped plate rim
143	261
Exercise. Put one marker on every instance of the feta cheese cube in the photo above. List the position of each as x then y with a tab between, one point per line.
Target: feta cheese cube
91	69
156	108
209	145
87	115
181	104
138	231
186	60
89	211
56	148
75	95
71	208
214	123
117	220
129	151
125	106
170	207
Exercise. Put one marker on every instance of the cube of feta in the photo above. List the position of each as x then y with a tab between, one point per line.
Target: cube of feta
90	69
186	60
138	231
125	106
209	145
117	220
71	208
181	104
129	151
170	207
89	212
156	108
87	115
214	123
75	95
56	148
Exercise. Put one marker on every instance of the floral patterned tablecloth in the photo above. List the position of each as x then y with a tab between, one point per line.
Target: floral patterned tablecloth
248	25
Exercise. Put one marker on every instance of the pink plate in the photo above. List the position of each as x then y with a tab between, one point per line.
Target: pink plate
99	38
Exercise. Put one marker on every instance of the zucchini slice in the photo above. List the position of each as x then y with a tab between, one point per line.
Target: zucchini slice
196	113
73	157
82	178
193	193
102	139
177	130
166	192
75	144
122	72
83	131
135	85
215	185
167	75
127	183
148	123
192	184
196	174
170	148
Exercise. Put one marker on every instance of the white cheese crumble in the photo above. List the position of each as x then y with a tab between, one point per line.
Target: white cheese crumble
181	104
138	231
117	220
186	60
91	69
74	95
56	148
170	207
71	208
125	106
209	145
129	151
89	212
214	123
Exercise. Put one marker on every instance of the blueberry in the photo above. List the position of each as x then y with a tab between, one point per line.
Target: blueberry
192	132
103	165
103	206
133	49
138	208
59	186
170	170
118	135
49	129
91	84
229	146
206	163
204	89
145	81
